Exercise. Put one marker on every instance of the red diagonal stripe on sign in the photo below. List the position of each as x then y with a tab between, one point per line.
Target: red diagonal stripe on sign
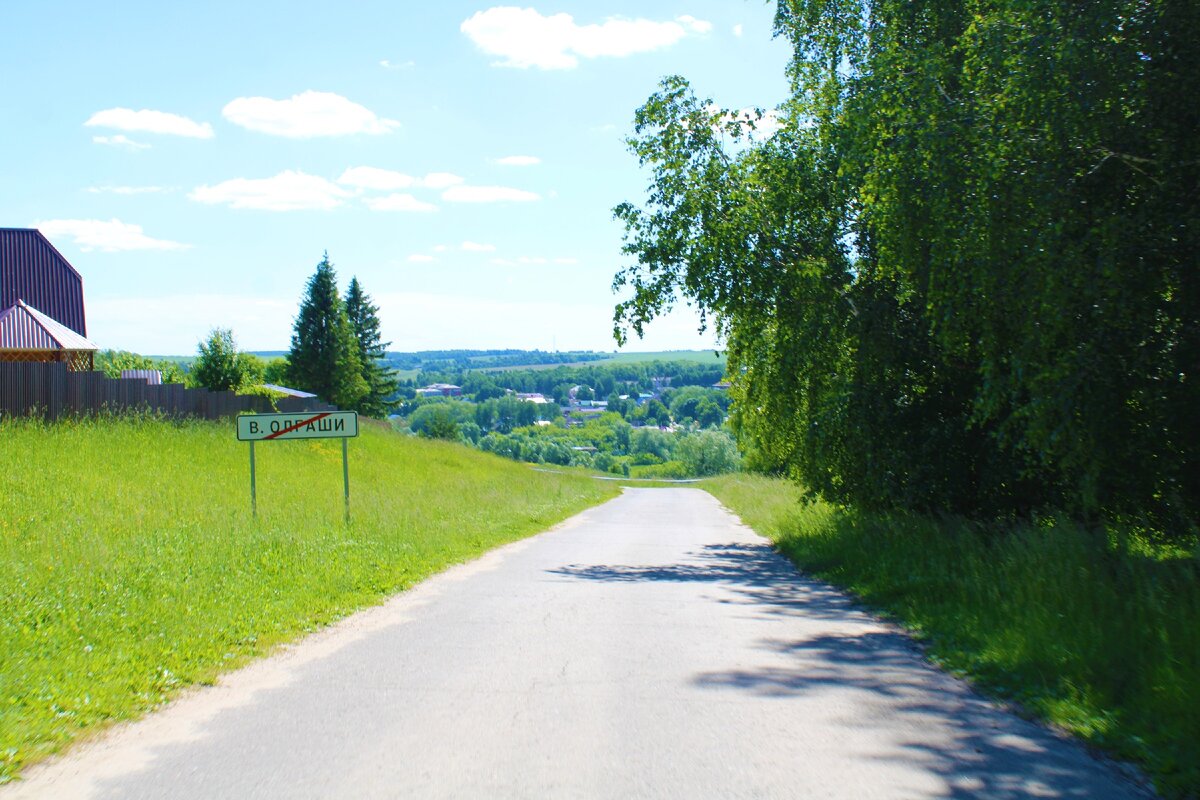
299	424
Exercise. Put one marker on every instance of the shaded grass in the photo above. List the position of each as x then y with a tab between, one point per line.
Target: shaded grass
1097	634
130	566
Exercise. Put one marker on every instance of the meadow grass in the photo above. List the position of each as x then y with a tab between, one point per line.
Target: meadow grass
130	565
1098	634
698	356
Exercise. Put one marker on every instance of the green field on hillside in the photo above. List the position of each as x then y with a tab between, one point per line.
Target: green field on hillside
130	566
1099	635
698	356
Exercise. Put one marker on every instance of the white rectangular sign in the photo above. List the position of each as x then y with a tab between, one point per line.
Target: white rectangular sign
303	425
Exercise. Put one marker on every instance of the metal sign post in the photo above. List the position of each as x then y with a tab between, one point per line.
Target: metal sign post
346	479
305	425
253	493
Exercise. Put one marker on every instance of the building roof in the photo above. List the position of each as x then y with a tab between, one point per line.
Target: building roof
287	390
31	269
23	327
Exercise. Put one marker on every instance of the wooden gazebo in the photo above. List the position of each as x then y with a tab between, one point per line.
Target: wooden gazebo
27	334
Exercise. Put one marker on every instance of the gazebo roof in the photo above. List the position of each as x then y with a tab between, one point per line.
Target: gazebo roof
23	327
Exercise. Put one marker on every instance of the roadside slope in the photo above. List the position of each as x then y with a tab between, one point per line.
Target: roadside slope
130	566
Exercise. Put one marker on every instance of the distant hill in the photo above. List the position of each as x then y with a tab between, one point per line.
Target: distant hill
453	360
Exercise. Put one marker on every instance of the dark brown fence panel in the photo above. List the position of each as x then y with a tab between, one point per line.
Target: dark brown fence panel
56	391
49	390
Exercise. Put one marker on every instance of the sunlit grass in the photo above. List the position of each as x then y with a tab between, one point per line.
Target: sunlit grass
1097	634
130	565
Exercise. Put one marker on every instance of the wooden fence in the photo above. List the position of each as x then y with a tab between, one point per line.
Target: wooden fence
50	391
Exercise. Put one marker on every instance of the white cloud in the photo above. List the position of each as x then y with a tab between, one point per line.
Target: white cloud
109	236
535	261
523	38
124	189
694	25
147	121
519	161
440	248
305	116
488	194
397	65
287	191
399	202
766	123
386	180
475	247
421	258
120	140
375	178
737	30
765	126
440	180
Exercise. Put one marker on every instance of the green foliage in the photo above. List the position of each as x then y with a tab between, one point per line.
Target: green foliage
962	277
111	362
108	614
1098	634
435	421
221	366
381	381
693	404
708	452
275	371
263	391
324	358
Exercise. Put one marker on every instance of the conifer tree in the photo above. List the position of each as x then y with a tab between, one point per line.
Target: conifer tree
381	381
324	356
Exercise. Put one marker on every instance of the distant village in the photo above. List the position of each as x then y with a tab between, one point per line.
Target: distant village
581	403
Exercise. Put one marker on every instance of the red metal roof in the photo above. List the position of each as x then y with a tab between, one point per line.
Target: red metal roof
33	271
26	328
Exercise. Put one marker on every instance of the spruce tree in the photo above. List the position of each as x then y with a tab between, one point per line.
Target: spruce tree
381	381
324	357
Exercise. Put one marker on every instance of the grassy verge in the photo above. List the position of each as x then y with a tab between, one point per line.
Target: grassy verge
1097	635
130	566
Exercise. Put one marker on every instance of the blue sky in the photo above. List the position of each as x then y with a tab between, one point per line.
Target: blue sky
194	160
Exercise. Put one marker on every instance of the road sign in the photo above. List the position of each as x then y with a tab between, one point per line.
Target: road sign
305	425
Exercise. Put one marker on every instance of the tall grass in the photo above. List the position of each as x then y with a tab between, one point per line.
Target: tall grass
130	565
1096	633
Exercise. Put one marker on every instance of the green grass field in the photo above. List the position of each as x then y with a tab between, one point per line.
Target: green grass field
130	566
698	356
1100	636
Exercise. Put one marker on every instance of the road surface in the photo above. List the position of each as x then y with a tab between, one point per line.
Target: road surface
650	647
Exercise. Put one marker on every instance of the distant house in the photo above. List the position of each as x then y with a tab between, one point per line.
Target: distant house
41	303
440	390
532	397
721	386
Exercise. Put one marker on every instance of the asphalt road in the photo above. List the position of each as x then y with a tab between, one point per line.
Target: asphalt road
650	647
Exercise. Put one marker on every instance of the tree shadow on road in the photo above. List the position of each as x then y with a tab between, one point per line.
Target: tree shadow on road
754	574
932	721
878	677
